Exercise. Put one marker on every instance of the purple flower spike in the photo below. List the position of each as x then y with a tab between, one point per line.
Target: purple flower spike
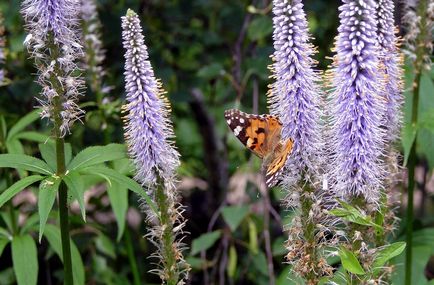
2	54
391	59
358	106
295	95
148	130
53	41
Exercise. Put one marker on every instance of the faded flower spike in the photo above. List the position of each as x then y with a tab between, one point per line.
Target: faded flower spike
295	95
95	54
391	60
418	21
2	52
53	42
357	104
148	130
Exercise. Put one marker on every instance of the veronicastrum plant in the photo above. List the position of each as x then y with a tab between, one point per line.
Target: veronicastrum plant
53	43
365	118
149	136
295	97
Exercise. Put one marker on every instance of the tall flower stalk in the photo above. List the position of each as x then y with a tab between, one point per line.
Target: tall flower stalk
94	52
53	43
2	51
295	97
149	135
357	105
419	22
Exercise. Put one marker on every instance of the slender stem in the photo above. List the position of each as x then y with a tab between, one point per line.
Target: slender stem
411	183
63	213
309	235
171	272
267	239
131	257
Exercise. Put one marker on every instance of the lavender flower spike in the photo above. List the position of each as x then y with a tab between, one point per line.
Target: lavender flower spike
295	95
391	60
149	135
358	106
148	130
2	53
53	42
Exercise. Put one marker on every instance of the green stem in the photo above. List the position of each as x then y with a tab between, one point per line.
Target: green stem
171	273
309	235
131	257
411	183
63	213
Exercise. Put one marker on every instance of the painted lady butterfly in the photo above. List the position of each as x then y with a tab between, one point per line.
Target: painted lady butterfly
262	135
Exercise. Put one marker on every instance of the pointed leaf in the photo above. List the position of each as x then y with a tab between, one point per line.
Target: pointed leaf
387	253
118	196
47	194
110	174
18	187
23	123
97	154
32	136
25	260
3	243
75	184
48	153
52	234
407	138
350	261
234	215
25	162
232	262
205	241
14	147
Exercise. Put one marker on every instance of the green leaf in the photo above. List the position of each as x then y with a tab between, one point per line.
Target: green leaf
105	245
260	263
232	262
32	136
48	153
118	195
204	242
407	139
387	253
47	194
234	215
23	123
14	147
97	154
25	260
260	28
18	187
25	162
52	234
109	174
210	71
350	262
253	237
3	243
351	214
76	187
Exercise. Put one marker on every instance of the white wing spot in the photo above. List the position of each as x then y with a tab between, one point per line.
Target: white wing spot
241	120
237	130
229	121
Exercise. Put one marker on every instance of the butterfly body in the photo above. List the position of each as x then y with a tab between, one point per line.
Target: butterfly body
261	134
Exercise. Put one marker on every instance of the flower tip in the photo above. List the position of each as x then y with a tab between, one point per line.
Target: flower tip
131	13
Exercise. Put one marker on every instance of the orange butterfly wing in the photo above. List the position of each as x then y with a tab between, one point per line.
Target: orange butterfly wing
261	134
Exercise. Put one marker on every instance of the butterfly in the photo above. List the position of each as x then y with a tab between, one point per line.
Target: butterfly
262	135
